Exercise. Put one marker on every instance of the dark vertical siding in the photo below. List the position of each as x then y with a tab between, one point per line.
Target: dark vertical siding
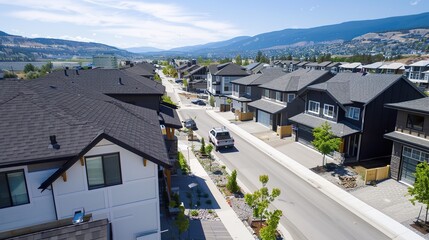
322	98
380	120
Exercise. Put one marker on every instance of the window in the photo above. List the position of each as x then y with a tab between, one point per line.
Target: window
410	158
266	93
13	189
328	110
290	97
248	90
313	107
103	170
415	122
279	97
353	113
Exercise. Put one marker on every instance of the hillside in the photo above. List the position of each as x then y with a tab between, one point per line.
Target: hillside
18	48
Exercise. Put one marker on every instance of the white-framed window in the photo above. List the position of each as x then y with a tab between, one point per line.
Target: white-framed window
328	110
279	97
353	113
290	97
266	93
103	170
313	107
13	189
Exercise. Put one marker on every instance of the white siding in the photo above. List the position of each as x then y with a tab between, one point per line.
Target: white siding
132	207
39	210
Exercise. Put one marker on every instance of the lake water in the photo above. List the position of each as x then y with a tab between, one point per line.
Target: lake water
19	66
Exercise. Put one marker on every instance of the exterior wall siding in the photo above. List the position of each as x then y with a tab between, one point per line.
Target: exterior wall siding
39	210
146	101
132	207
401	125
322	98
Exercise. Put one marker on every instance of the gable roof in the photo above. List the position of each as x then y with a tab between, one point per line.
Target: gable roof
373	65
294	81
227	69
356	87
393	65
32	112
422	63
420	105
267	75
105	81
195	71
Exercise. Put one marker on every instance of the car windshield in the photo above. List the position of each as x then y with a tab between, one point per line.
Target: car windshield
222	136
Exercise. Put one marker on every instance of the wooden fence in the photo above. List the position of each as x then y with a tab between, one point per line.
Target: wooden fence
377	174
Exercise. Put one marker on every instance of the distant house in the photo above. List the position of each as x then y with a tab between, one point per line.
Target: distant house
143	69
351	67
246	90
318	66
219	78
392	68
255	67
418	72
352	104
292	65
410	138
333	67
105	61
197	78
67	150
278	102
373	67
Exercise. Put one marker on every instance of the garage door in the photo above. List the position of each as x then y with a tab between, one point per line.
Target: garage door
410	158
305	135
264	118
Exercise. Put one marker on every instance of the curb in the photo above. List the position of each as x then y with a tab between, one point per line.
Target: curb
377	219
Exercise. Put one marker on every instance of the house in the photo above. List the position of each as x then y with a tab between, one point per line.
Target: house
292	65
219	78
65	151
373	67
197	79
333	67
123	86
392	68
318	66
143	69
246	90
277	103
105	61
351	67
352	104
418	72
410	138
255	67
300	65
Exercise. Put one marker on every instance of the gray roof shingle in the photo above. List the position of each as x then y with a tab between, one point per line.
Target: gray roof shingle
418	105
408	139
267	75
142	69
294	81
267	106
355	87
227	69
37	111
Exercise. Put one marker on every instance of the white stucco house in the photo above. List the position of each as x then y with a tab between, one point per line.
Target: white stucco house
64	152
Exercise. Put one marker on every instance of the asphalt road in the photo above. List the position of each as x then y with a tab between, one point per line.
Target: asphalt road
309	214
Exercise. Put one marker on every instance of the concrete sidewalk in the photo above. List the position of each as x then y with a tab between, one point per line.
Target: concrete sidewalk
229	218
382	222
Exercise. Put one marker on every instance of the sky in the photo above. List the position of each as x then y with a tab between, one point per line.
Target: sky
168	24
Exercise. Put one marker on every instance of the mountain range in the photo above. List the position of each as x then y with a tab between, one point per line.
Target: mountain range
34	48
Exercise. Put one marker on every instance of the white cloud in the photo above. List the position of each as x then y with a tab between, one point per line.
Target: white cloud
152	24
414	2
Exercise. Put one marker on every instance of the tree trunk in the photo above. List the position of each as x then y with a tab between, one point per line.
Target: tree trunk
323	160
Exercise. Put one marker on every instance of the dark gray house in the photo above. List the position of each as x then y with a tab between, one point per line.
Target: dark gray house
143	69
410	138
197	78
353	105
246	90
278	103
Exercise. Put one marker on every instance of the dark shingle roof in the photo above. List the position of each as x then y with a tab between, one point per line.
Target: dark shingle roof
142	69
267	75
294	81
105	81
227	69
195	70
338	129
408	139
418	105
267	106
38	111
169	117
355	87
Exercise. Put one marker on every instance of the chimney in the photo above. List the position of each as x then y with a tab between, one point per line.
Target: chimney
120	81
54	144
65	72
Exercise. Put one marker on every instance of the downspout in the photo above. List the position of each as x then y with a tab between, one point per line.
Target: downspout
55	205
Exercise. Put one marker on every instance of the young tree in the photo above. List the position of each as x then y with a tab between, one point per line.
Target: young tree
325	141
182	222
261	199
269	232
232	185
157	78
258	56
238	60
203	146
246	62
420	190
29	68
209	149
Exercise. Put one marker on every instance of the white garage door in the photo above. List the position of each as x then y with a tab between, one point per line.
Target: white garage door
264	118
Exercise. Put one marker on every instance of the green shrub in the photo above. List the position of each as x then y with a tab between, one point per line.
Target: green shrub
232	185
194	213
182	163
